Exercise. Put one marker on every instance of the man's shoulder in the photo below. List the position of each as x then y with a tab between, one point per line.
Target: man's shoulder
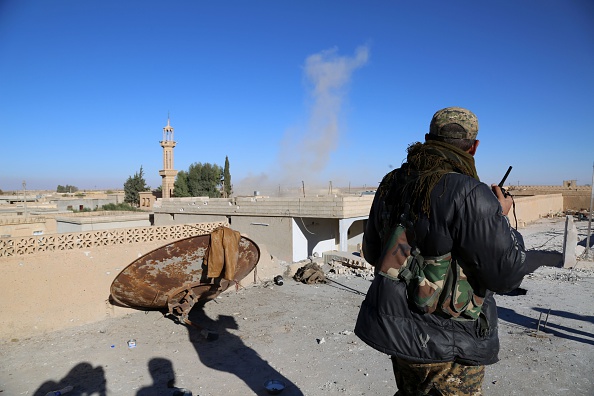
465	181
389	180
459	187
468	192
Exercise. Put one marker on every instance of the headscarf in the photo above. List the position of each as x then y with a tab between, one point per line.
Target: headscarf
426	164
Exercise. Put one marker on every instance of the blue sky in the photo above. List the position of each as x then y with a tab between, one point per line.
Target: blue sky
291	91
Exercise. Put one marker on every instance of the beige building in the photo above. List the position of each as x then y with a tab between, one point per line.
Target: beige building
148	198
291	228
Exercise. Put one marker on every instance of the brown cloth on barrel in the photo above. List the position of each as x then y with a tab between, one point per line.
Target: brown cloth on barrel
223	253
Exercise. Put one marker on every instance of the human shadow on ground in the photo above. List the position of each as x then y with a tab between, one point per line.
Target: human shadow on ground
84	378
228	353
568	315
161	371
584	241
542	258
509	315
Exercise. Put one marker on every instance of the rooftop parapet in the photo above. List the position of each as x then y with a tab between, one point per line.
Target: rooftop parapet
315	207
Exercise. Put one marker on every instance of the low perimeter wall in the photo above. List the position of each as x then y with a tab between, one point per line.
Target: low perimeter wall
63	280
530	209
23	246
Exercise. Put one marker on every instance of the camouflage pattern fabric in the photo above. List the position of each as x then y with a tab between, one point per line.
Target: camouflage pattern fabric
430	282
445	379
454	115
396	255
434	283
458	299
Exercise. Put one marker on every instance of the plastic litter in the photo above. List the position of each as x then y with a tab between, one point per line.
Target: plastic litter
274	387
60	392
182	392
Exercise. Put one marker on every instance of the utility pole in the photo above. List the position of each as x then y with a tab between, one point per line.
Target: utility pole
590	217
25	197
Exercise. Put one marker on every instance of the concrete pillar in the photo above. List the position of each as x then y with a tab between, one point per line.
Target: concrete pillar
569	243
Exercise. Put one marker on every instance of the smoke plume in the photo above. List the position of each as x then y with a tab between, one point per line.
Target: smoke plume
306	150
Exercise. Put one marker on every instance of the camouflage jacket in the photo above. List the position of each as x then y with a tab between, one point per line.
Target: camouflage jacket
467	221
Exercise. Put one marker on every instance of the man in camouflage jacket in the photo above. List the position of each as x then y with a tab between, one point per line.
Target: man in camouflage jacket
462	222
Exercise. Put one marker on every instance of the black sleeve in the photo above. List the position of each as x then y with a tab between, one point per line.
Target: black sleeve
491	251
372	244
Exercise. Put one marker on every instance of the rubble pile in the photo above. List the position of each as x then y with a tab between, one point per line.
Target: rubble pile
348	264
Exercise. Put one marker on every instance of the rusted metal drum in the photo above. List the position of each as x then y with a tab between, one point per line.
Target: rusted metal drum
168	274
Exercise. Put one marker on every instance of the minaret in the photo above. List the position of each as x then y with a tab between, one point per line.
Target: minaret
167	173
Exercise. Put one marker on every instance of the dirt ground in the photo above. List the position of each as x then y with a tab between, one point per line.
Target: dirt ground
302	335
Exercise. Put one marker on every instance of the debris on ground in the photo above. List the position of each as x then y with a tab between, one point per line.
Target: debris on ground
310	273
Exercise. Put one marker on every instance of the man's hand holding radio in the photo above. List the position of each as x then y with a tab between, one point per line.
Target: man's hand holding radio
504	199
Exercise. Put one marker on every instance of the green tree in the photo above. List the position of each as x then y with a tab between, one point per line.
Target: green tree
180	186
66	189
227	188
133	186
119	207
204	180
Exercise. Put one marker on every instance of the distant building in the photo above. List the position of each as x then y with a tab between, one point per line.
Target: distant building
148	198
94	221
291	228
83	203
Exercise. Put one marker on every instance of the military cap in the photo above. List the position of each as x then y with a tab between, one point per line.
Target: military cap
454	115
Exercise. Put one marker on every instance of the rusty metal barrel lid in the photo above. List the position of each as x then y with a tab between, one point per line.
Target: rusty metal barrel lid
153	279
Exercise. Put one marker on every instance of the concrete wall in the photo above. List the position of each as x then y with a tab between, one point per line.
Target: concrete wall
66	226
530	209
183	218
97	222
574	198
13	199
85	203
292	228
318	207
576	202
27	226
49	291
273	232
355	235
313	235
289	239
55	290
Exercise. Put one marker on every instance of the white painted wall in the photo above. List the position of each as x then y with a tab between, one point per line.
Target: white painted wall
299	242
66	227
313	235
355	235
